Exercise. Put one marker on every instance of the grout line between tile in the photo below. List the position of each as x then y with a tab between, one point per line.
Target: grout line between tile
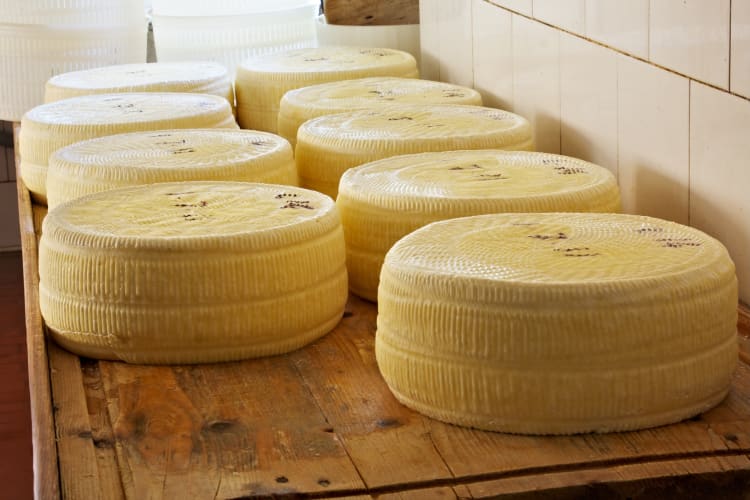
627	54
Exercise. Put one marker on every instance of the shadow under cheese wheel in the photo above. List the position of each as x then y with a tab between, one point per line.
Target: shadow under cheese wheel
192	272
557	323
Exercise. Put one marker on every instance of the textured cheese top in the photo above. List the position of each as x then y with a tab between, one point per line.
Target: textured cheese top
197	77
347	95
310	63
180	152
44	127
167	156
561	249
474	180
449	127
193	215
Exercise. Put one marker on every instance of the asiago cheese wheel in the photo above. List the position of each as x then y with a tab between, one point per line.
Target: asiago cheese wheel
192	272
263	80
168	155
197	77
329	145
299	105
557	323
48	127
382	201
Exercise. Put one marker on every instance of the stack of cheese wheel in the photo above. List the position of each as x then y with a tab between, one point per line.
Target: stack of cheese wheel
192	272
48	127
329	145
168	156
262	81
195	77
298	106
557	323
382	201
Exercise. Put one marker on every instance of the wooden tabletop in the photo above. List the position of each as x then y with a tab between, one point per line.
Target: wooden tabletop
320	422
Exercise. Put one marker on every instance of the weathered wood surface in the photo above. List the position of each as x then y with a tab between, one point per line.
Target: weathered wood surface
46	476
320	422
367	12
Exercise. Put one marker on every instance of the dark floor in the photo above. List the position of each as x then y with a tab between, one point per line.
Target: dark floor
15	421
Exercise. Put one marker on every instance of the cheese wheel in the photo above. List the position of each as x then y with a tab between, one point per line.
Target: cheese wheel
168	155
299	105
49	127
557	323
382	201
192	272
195	77
263	80
329	145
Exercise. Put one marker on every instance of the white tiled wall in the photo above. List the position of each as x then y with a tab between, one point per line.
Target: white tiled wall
657	91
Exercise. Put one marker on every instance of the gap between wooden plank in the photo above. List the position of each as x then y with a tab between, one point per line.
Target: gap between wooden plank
46	472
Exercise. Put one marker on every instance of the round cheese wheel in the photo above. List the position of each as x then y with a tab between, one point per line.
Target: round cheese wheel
329	145
299	105
557	323
192	272
383	201
195	77
168	155
263	80
50	126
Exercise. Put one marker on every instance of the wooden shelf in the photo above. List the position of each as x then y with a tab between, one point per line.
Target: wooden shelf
320	422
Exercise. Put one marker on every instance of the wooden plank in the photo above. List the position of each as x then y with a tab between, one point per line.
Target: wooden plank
79	471
367	12
46	474
388	442
743	328
101	432
222	430
471	453
711	477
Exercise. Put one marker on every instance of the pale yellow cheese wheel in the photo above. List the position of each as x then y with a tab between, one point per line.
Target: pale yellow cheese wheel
48	127
383	201
168	156
192	272
557	323
299	105
263	80
329	145
189	76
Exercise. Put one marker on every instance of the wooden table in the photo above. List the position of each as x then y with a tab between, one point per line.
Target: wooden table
320	422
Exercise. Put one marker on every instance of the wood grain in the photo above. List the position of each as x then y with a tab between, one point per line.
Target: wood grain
46	475
321	422
366	12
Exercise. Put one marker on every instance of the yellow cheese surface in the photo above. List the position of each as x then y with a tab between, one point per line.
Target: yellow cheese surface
382	201
329	145
192	272
557	323
168	155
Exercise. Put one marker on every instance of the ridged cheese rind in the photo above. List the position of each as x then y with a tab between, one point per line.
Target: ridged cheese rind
299	105
48	127
192	272
382	201
189	76
557	323
168	156
329	145
262	81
